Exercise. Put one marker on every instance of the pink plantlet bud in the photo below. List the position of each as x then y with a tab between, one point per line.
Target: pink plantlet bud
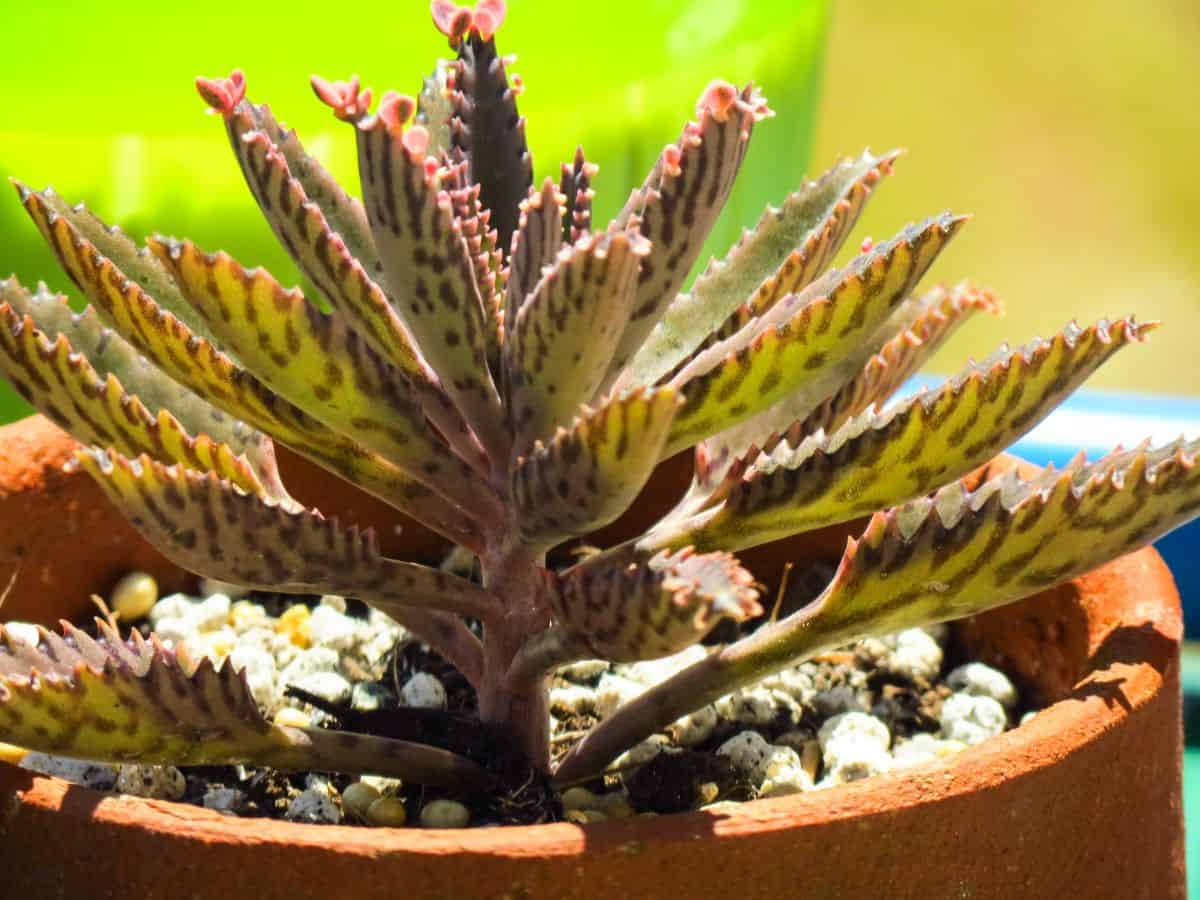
489	16
349	103
415	140
671	157
718	99
452	20
516	85
867	245
223	94
396	109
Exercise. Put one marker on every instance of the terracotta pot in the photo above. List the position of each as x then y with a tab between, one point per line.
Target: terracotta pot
1082	801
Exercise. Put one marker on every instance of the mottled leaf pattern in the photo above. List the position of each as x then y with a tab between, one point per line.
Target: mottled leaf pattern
109	356
677	206
429	272
60	223
121	700
626	606
210	527
883	458
802	334
487	131
536	244
65	387
564	338
802	236
588	475
314	361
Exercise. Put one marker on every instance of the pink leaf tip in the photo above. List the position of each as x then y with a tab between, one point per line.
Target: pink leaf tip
349	102
223	94
457	22
396	110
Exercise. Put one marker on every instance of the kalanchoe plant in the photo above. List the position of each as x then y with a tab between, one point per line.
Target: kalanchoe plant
494	364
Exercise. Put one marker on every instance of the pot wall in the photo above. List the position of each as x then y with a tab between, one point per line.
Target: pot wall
1082	801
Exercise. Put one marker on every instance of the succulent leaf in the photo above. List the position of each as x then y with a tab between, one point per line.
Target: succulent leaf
796	241
563	340
626	606
803	335
199	365
576	188
882	458
210	527
115	699
60	223
488	132
252	123
588	475
679	203
536	245
93	359
64	386
428	269
314	361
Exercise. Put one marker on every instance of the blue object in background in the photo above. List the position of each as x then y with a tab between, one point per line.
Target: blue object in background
1098	421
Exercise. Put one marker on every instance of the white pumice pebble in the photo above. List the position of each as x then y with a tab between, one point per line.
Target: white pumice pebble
210	613
258	667
177	631
158	782
369	696
244	616
854	745
173	606
96	775
444	814
314	805
584	670
134	596
357	797
750	706
222	799
641	753
784	774
25	632
921	748
614	691
388	812
695	728
334	601
917	657
983	681
749	753
423	690
308	662
333	629
329	686
1028	716
972	719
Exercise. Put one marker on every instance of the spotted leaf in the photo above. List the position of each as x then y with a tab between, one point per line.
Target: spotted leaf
428	270
210	527
536	245
802	335
123	700
625	606
576	187
487	131
64	386
564	338
588	475
314	361
882	458
789	246
95	360
679	203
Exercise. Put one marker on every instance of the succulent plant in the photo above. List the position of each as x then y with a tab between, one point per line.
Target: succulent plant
488	360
